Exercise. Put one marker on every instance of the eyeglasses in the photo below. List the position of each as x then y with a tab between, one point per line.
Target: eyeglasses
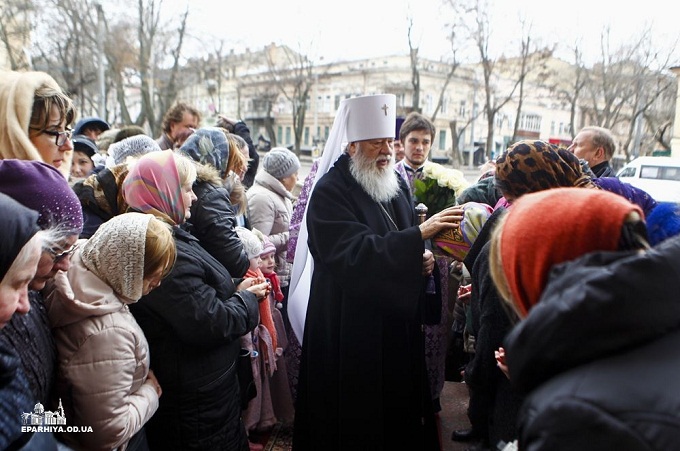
59	137
59	256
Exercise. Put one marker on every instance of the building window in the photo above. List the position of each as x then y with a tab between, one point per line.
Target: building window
288	140
461	108
442	139
306	136
279	134
552	128
530	122
326	130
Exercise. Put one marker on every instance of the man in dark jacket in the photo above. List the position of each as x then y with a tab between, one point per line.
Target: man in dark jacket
596	146
362	379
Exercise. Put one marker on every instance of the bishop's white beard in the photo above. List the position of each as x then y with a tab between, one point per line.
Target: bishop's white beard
381	184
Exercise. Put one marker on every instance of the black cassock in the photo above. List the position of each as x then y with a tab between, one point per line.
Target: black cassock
362	378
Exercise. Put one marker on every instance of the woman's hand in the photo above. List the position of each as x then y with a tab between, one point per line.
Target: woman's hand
500	361
259	286
448	218
465	293
152	377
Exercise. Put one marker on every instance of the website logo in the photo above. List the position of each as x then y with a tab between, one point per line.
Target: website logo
41	420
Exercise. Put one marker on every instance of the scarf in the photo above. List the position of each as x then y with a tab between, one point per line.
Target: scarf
18	225
550	227
17	92
115	253
266	318
531	166
153	186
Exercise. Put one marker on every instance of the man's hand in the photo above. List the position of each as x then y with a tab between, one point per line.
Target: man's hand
428	262
448	218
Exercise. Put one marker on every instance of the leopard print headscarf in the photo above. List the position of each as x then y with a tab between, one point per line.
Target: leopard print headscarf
531	166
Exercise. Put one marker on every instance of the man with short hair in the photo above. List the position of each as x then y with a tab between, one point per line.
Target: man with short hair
179	120
362	382
416	135
596	146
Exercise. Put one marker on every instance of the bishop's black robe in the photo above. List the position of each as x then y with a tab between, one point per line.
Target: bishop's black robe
362	381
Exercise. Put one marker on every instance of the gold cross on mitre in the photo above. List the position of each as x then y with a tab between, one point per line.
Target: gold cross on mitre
385	108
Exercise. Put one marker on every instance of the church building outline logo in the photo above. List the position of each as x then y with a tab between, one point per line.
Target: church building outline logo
42	417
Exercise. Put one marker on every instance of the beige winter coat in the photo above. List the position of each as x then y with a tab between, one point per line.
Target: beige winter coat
270	206
102	352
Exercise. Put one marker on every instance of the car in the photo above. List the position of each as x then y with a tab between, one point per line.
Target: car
658	176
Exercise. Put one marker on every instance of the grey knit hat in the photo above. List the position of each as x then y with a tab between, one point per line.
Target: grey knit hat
280	163
134	146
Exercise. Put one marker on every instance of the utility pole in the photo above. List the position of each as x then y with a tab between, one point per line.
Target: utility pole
102	61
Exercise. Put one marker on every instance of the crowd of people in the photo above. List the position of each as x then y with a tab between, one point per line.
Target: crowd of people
180	293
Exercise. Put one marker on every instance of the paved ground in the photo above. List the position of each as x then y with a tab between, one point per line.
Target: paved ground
454	401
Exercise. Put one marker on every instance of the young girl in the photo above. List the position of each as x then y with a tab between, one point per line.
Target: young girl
262	343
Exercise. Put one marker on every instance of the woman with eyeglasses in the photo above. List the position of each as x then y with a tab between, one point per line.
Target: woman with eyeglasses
35	116
42	188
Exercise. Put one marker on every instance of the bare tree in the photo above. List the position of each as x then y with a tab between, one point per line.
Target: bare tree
415	69
15	30
291	73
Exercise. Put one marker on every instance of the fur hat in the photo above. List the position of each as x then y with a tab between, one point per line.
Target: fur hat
280	163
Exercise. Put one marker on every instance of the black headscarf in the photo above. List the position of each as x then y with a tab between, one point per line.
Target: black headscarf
18	224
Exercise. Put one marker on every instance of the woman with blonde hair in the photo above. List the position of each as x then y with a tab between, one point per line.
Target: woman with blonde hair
35	116
103	376
194	321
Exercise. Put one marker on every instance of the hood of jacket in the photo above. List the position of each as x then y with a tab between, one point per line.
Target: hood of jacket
272	184
207	173
596	306
79	294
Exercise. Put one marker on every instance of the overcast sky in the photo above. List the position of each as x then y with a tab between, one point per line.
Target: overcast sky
352	29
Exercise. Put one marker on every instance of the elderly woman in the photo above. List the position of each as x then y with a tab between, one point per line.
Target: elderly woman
193	321
20	244
103	378
525	167
34	118
42	188
597	344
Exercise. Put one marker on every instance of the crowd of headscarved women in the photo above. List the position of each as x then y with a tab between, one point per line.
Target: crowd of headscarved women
147	258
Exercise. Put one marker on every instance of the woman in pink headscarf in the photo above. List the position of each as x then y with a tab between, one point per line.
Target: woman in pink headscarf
193	321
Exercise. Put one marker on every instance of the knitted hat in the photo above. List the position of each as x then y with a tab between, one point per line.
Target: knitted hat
267	246
553	226
134	146
42	188
251	243
280	163
115	253
208	145
457	242
82	143
663	222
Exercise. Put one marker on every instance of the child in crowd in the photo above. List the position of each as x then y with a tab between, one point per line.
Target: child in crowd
262	343
282	397
83	151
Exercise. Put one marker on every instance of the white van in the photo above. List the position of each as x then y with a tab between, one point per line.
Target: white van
659	176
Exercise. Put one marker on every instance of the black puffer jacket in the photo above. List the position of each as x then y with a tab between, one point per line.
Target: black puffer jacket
599	355
213	222
193	323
